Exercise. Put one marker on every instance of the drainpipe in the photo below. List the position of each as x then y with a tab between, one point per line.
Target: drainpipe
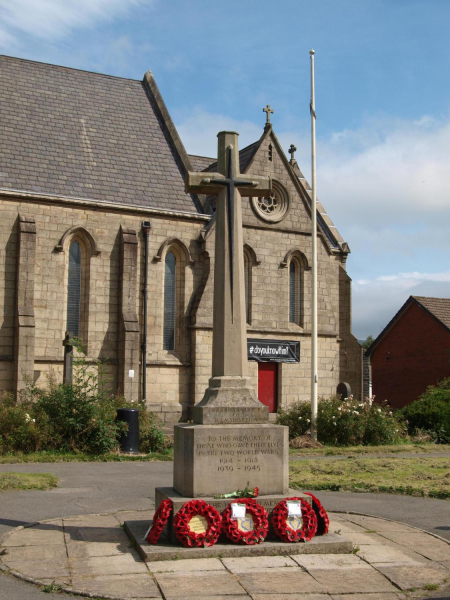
146	226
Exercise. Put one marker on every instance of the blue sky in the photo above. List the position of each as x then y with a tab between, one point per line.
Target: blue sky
383	106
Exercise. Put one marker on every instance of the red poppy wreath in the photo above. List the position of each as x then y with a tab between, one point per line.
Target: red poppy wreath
251	529
197	524
294	528
159	521
323	522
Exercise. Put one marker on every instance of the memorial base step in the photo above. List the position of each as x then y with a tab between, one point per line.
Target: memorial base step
331	543
269	502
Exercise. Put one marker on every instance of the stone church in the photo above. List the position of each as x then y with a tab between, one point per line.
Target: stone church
100	238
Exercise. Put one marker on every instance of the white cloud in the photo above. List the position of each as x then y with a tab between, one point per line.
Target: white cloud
376	301
388	171
54	19
199	131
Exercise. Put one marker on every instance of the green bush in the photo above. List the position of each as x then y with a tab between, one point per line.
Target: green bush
345	423
431	413
76	417
21	429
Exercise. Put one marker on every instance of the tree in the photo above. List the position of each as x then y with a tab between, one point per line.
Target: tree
368	342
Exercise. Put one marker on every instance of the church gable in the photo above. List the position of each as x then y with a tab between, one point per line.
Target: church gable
79	134
289	207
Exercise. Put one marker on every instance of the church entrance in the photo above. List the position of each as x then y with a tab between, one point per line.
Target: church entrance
268	385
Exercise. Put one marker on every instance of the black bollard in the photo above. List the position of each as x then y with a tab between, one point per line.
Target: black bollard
129	440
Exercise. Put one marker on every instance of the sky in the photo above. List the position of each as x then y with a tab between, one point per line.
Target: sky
382	103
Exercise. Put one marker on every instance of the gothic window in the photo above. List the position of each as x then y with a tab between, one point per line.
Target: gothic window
169	302
295	292
248	286
74	289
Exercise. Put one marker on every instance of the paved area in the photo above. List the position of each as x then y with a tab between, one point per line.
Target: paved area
92	554
87	488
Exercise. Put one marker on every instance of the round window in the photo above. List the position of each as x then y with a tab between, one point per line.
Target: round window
273	207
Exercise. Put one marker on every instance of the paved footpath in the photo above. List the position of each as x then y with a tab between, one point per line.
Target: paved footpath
91	553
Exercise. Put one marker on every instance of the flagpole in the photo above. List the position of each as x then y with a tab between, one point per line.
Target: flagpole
314	377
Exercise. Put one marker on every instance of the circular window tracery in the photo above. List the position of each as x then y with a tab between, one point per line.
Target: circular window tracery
274	206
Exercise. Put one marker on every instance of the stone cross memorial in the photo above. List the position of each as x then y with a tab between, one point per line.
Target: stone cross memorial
230	445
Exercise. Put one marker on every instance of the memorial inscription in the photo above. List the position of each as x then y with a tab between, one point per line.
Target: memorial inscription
255	456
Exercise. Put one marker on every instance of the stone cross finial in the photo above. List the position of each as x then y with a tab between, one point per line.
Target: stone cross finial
292	150
229	393
268	112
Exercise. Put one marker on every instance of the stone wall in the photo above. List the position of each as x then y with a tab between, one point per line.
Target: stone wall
112	311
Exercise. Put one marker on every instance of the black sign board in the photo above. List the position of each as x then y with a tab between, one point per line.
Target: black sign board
273	351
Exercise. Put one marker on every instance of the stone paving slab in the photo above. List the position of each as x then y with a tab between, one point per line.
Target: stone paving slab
40	535
391	555
92	554
23	553
108	565
255	563
431	548
37	569
124	586
88	549
296	596
352	581
186	565
283	580
407	578
174	585
339	561
376	596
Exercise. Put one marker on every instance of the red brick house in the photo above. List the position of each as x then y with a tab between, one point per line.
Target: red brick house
412	352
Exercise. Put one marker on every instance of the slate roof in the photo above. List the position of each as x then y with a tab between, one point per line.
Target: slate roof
245	157
439	308
80	134
201	163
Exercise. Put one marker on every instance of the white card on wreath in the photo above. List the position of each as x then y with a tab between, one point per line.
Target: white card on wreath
238	511
294	509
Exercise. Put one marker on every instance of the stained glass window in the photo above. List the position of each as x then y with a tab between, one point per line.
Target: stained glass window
169	302
294	292
74	289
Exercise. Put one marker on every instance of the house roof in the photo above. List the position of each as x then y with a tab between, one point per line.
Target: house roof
79	134
439	308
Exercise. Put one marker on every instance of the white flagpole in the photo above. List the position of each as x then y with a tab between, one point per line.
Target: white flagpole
314	378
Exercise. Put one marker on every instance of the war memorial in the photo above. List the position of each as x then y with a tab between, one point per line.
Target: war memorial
231	449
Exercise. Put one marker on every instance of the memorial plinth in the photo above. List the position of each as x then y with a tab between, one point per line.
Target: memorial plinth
218	459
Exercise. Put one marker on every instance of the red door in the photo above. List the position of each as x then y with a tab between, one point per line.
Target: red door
268	384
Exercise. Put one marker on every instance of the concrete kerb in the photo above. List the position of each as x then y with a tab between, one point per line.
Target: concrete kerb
5	570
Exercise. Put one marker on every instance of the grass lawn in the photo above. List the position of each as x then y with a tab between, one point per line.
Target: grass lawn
393	449
52	457
420	476
27	481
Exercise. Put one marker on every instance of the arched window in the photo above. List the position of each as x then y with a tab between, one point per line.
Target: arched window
248	287
295	291
74	289
169	302
248	283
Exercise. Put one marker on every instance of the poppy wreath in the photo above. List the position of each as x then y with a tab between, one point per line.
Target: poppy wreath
159	521
185	534
260	523
288	534
323	522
